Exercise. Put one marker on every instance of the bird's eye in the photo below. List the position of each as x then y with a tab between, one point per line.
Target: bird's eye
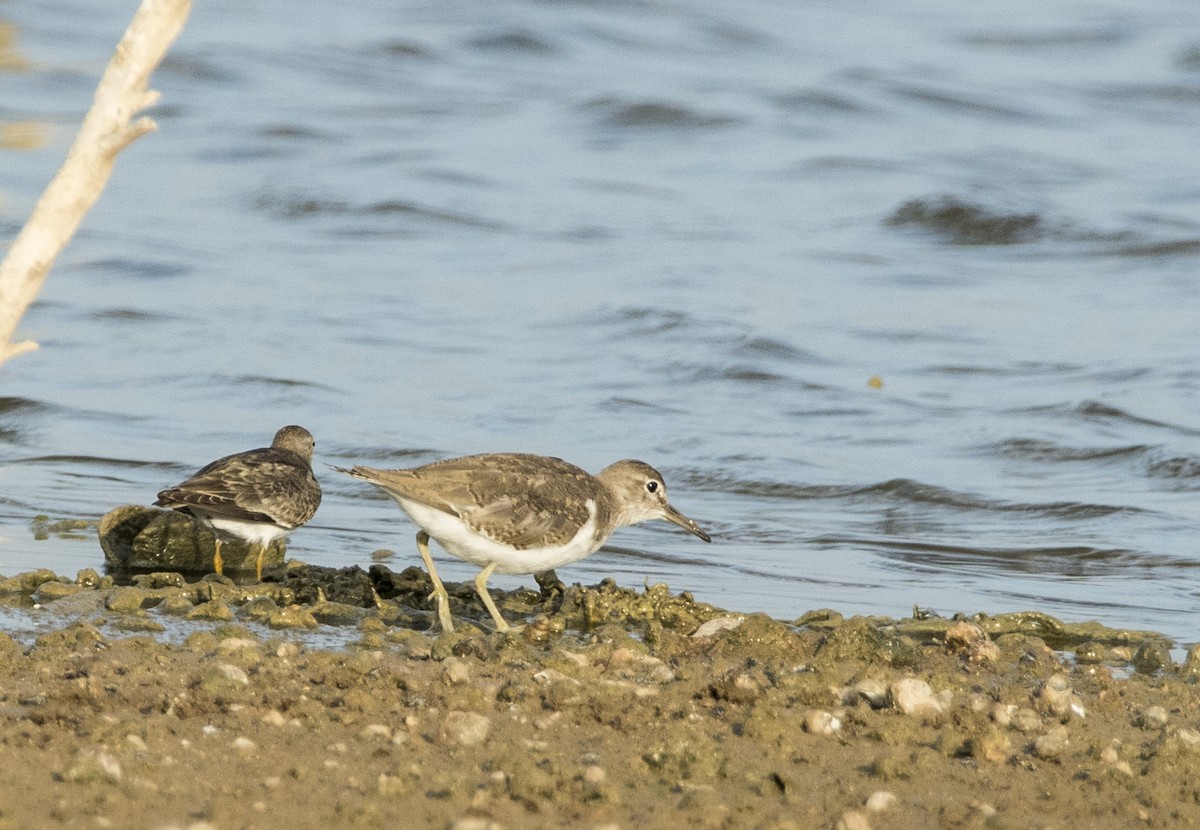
652	486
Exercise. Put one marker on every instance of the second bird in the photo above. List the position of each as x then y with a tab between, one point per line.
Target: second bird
518	514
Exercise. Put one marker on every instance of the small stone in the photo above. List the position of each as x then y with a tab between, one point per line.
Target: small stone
593	774
125	601
474	823
243	744
93	764
879	801
972	642
873	691
1026	721
1053	744
294	616
1154	717
1151	657
224	678
48	592
176	605
1057	698
376	730
466	728
1191	664
854	820
214	611
274	718
818	722
915	697
235	644
456	671
717	625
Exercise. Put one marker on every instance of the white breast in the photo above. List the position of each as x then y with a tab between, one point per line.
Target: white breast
466	544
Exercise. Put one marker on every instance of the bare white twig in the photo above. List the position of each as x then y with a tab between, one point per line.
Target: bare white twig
106	131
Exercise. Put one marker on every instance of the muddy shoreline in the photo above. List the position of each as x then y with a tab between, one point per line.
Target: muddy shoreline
169	703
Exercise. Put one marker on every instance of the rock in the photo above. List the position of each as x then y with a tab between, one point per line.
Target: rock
1026	721
224	678
466	728
26	583
1191	664
717	625
91	765
854	820
1053	744
125	601
873	691
915	697
176	605
1154	717
148	539
215	610
879	801
737	686
1057	698
294	616
1151	657
972	642
52	590
818	722
455	671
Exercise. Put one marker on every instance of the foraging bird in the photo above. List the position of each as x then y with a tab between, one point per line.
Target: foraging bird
517	513
257	496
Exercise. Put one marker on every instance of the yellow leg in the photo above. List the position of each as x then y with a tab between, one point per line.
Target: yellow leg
262	551
481	589
218	562
439	590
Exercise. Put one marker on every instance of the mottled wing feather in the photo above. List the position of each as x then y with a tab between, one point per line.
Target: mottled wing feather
520	500
267	485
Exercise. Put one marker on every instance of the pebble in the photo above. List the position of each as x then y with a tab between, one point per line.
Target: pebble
474	823
93	764
1154	717
873	691
224	678
124	601
973	642
466	728
293	616
456	671
231	644
244	744
854	820
717	625
818	722
915	697
1151	657
880	800
594	775
1057	698
214	610
376	730
1053	744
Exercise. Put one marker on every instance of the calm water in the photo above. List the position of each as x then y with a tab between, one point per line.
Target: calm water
685	232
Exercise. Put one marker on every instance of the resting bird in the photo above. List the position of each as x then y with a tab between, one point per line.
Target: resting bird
257	496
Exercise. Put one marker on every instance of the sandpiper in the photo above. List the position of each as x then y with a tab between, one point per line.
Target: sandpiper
257	496
517	513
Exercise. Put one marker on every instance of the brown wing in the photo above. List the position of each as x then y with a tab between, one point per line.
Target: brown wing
265	485
521	500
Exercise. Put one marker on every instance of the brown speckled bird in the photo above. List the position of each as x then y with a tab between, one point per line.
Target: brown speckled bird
517	513
257	496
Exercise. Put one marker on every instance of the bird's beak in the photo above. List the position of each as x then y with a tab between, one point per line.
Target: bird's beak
675	517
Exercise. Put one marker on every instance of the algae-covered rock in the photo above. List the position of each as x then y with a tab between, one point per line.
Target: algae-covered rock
136	538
